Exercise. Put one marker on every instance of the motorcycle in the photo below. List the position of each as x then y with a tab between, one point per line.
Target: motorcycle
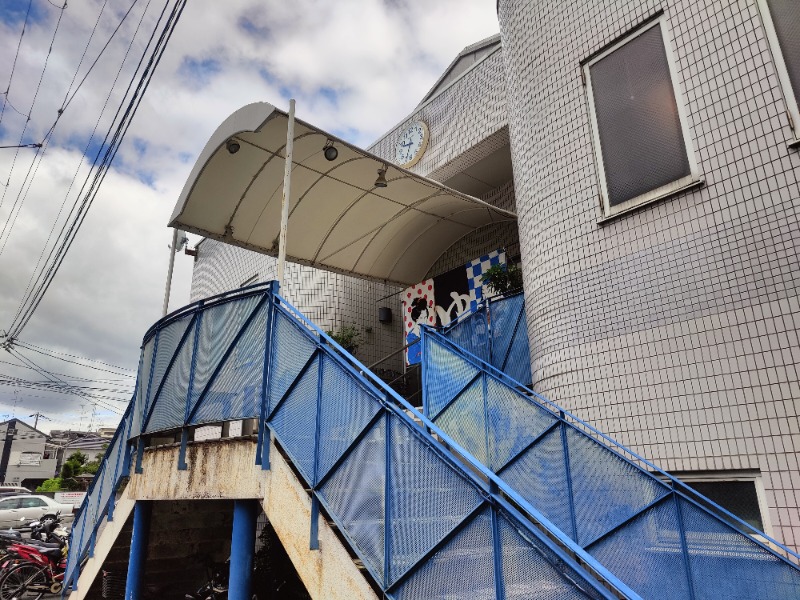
33	570
216	588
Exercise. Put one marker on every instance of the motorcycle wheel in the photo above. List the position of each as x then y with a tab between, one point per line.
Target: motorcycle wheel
26	581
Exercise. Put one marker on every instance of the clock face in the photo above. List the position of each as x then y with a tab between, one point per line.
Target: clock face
412	144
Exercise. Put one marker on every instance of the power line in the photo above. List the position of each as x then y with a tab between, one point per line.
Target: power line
30	111
24	315
49	376
54	354
14	64
26	295
75	377
22	195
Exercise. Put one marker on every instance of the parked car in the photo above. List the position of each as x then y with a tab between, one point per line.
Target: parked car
31	507
13	490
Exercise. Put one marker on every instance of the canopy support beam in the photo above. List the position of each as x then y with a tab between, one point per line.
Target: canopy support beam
287	190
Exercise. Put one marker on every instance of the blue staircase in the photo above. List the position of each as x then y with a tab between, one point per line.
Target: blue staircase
645	526
437	507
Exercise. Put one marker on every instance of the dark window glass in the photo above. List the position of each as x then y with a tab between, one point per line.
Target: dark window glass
737	497
32	502
786	18
641	140
10	503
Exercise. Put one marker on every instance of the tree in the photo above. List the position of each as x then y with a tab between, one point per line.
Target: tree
503	278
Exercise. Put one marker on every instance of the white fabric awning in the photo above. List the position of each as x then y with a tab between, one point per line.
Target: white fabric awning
338	219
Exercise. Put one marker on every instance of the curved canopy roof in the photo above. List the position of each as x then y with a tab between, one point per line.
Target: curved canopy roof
338	219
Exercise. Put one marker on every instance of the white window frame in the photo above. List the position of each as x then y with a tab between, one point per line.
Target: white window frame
691	180
724	476
789	95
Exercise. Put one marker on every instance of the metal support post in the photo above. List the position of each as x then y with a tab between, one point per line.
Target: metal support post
142	513
243	544
287	187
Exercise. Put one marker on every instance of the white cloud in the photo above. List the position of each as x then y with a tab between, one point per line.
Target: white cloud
354	66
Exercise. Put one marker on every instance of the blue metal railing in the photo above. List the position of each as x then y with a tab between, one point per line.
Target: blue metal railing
642	524
496	333
424	524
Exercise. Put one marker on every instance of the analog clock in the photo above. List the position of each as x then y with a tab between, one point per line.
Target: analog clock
412	144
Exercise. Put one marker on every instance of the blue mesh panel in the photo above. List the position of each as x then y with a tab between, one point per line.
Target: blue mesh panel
462	568
169	407
465	421
290	350
646	554
472	334
218	328
446	374
540	476
518	363
236	391
142	380
355	497
168	339
504	318
427	499
295	422
607	488
726	564
514	422
531	570
346	409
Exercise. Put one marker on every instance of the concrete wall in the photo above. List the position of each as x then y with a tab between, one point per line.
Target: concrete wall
192	518
673	328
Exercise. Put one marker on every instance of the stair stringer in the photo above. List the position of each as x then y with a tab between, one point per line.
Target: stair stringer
108	534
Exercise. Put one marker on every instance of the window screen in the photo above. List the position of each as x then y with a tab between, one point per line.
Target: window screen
641	139
738	497
786	19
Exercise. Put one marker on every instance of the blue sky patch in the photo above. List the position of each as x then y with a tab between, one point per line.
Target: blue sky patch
12	12
92	149
199	71
246	24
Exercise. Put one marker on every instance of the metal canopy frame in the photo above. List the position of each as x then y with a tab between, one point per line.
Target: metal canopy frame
338	219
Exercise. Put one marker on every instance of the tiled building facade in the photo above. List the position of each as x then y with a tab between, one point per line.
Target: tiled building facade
673	328
669	323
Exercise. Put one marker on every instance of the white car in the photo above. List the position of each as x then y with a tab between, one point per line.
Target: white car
31	507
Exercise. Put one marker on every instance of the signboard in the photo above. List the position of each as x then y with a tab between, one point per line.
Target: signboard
74	498
439	300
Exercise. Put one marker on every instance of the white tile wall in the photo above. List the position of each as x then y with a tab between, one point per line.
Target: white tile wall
674	328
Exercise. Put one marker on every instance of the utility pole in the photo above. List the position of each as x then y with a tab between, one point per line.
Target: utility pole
36	416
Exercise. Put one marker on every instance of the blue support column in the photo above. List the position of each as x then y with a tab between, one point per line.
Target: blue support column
141	533
243	543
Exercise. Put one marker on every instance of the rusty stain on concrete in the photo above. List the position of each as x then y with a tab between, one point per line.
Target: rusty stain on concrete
226	469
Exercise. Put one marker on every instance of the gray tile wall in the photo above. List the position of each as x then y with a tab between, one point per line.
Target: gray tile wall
330	300
674	328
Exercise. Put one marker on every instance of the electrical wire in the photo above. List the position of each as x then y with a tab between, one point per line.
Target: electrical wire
74	377
14	65
39	156
26	294
55	353
30	111
23	316
46	375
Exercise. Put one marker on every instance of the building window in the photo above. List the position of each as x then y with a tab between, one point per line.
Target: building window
741	494
639	126
782	25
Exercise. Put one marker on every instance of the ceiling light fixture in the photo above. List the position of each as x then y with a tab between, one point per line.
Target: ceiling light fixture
232	145
381	180
330	152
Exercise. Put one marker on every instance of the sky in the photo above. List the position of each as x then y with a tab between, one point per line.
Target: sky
355	68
